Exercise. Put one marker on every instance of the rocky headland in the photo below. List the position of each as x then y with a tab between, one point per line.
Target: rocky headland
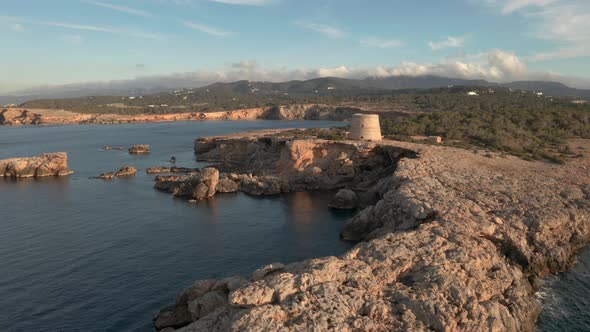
20	116
449	239
47	164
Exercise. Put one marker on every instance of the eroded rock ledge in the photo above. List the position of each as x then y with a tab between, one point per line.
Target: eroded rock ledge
47	164
457	241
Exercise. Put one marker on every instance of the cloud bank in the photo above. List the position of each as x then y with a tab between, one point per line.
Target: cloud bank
493	66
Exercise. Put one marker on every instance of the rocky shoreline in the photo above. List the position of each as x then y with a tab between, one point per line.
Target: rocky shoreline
20	116
450	240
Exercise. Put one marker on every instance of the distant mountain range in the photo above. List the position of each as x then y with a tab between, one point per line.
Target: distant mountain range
323	85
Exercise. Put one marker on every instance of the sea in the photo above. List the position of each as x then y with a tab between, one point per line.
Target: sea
82	254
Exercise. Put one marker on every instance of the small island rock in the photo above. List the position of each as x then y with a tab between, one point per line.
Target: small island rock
139	148
123	171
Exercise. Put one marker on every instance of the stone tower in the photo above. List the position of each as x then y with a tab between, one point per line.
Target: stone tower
365	127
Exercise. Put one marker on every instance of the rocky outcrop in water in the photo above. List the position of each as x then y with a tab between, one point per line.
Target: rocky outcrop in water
196	186
47	164
140	148
109	148
451	244
122	172
155	170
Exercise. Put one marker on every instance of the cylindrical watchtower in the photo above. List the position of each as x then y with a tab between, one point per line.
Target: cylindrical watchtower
365	127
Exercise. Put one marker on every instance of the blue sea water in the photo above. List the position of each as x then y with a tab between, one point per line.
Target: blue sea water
80	254
566	298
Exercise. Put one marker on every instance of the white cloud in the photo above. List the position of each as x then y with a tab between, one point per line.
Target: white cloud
245	2
326	30
449	42
381	43
508	64
137	33
119	8
207	29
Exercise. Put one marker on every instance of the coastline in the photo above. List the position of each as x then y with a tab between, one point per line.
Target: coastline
22	116
451	243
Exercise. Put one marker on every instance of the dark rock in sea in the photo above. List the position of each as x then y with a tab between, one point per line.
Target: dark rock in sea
344	199
139	148
48	164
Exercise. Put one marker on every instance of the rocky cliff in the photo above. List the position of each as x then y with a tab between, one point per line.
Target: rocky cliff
48	164
16	116
455	241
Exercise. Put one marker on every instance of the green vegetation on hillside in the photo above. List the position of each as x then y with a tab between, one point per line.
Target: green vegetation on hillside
529	130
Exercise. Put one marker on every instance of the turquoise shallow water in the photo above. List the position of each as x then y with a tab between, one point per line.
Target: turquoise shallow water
80	254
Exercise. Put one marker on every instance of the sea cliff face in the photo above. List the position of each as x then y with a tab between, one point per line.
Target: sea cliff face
48	164
454	241
18	116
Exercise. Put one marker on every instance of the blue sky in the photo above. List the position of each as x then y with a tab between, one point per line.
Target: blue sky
75	41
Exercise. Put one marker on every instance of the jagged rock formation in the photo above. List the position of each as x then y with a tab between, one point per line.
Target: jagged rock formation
140	148
47	164
122	172
451	244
